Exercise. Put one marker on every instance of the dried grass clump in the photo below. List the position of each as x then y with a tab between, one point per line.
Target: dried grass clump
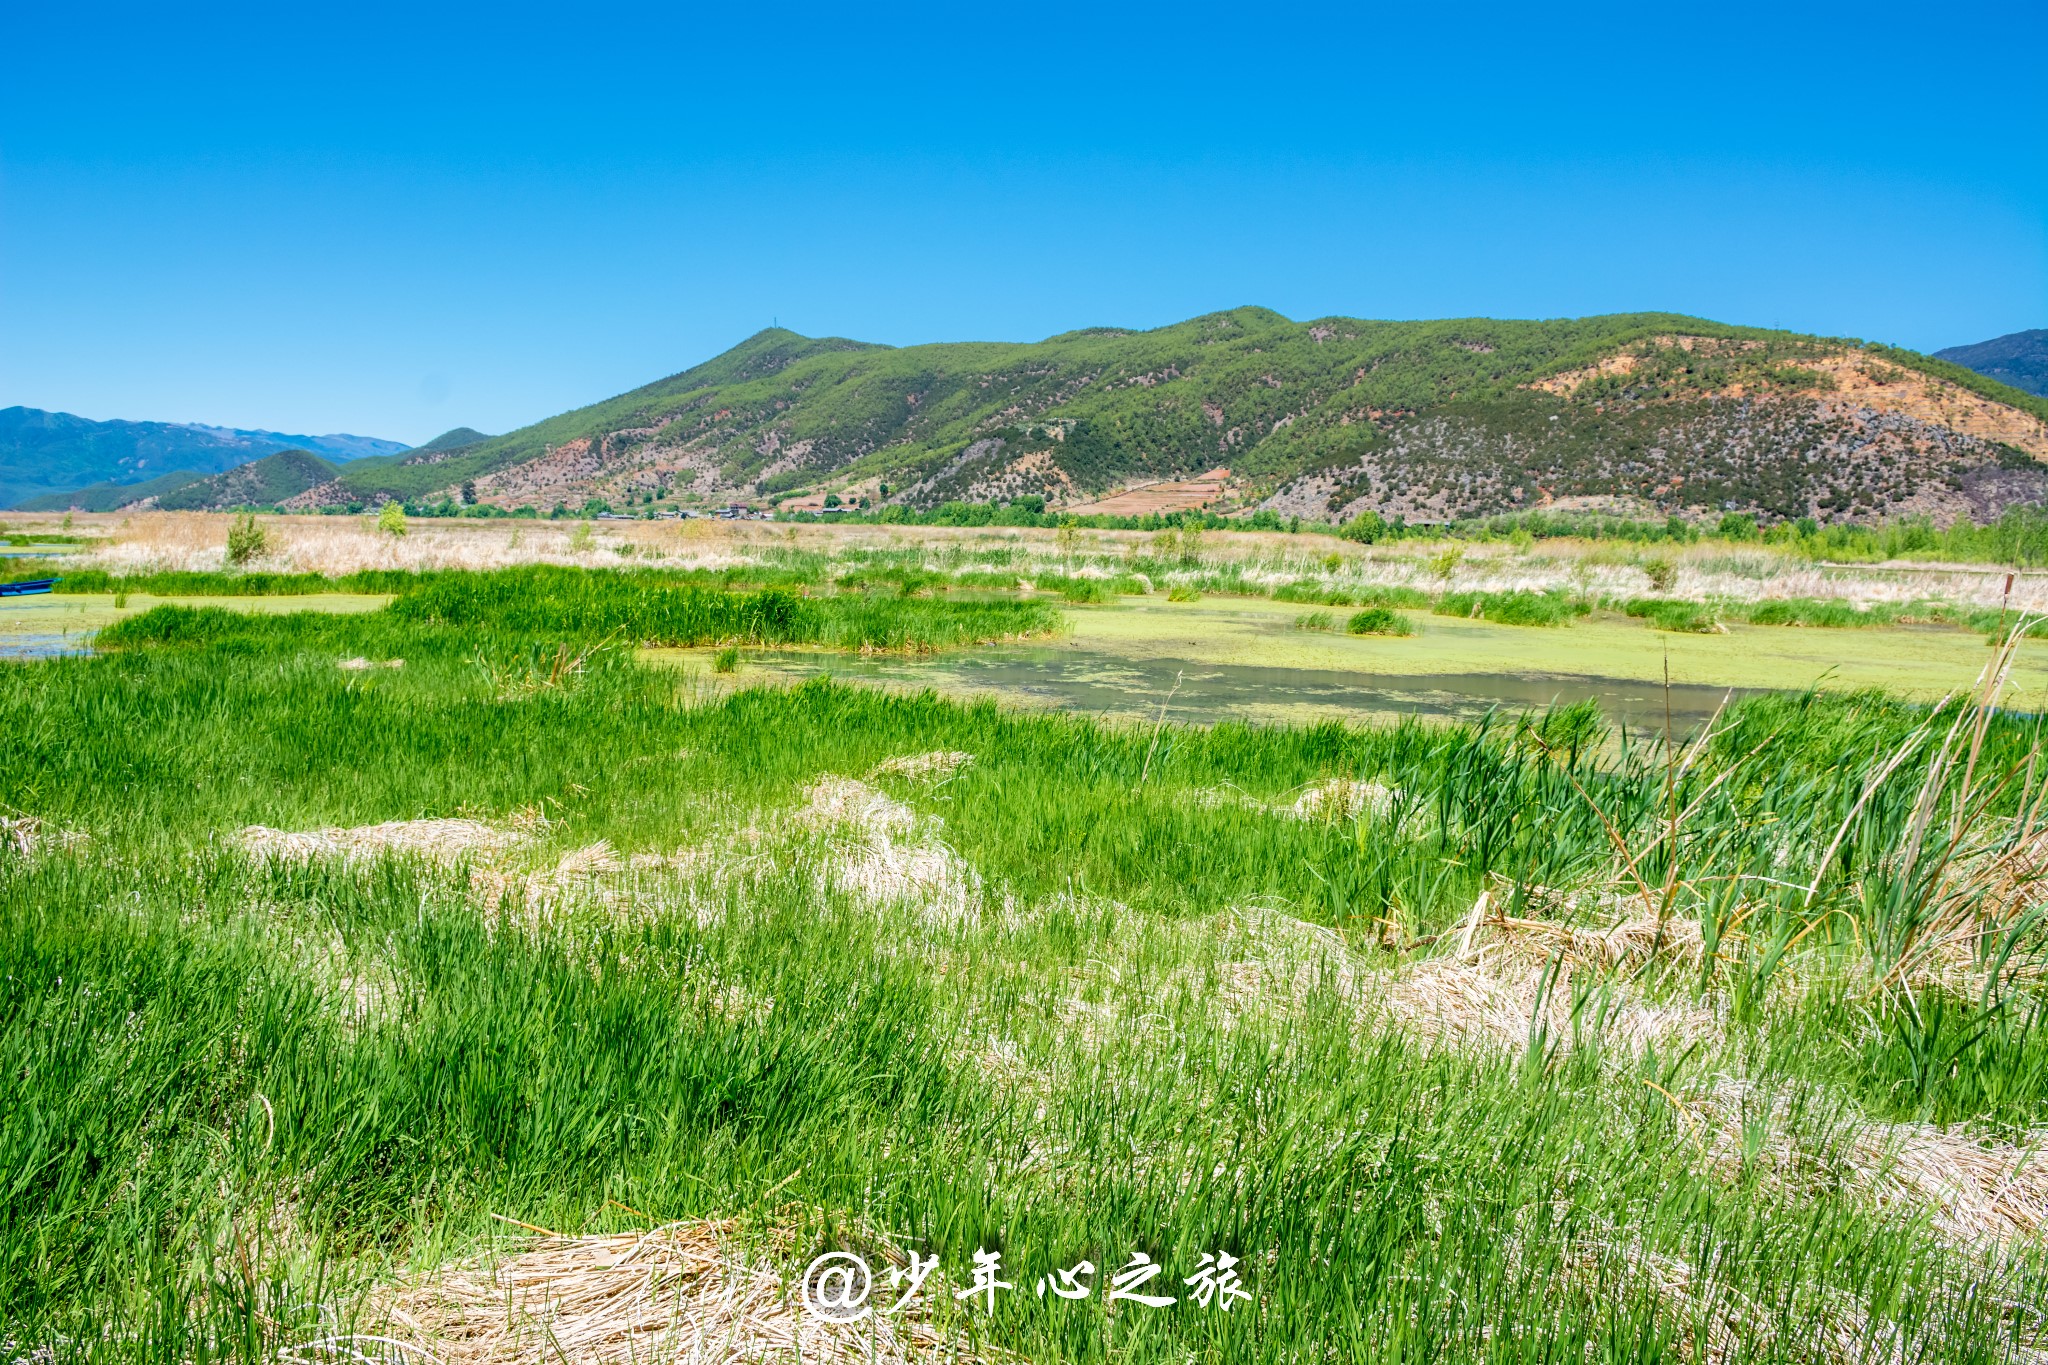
680	1293
574	876
882	852
151	541
1500	1000
1975	1191
1978	1191
1632	934
1277	961
845	804
1499	987
27	835
441	841
935	766
1343	799
1720	1324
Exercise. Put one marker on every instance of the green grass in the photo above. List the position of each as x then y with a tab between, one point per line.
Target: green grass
1308	590
781	571
1512	608
638	607
1378	621
1695	618
232	1094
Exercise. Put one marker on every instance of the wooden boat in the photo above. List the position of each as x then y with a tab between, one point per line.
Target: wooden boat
27	587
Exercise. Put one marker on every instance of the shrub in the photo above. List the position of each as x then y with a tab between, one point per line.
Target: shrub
1661	572
1365	528
1308	590
391	520
1737	526
581	538
1807	611
1666	614
246	539
1512	608
1315	620
1412	598
1379	621
1445	562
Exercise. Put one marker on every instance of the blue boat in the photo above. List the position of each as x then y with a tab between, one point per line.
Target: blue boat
27	587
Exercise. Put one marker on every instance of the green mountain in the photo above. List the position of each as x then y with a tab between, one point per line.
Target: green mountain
44	455
1644	413
454	439
2019	359
260	483
106	497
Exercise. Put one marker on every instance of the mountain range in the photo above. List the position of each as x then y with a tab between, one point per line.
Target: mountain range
48	457
2018	358
1637	414
1645	414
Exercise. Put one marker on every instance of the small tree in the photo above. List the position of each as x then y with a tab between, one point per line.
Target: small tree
469	492
1736	526
1365	528
246	539
391	519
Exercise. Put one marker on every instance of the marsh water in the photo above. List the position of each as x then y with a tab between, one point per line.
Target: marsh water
1204	693
1249	660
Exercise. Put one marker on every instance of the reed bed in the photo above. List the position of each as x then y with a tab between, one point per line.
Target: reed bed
1511	1041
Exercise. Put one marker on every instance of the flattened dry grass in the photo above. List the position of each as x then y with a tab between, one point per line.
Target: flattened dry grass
689	1293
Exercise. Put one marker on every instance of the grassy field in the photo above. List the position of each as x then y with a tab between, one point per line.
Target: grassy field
1498	1042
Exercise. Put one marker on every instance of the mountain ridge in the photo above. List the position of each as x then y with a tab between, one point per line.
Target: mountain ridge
45	456
1649	413
2017	358
267	482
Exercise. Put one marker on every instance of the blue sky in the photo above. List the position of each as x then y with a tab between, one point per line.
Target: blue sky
393	220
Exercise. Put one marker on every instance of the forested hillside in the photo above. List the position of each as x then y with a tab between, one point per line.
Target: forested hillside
1323	419
2019	359
267	482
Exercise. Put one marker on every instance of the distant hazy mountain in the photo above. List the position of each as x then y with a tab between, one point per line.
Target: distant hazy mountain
45	455
2020	359
105	497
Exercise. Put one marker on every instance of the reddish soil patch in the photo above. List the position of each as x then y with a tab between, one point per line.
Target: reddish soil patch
1183	496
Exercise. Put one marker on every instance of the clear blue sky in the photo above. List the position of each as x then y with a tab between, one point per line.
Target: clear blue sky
393	220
